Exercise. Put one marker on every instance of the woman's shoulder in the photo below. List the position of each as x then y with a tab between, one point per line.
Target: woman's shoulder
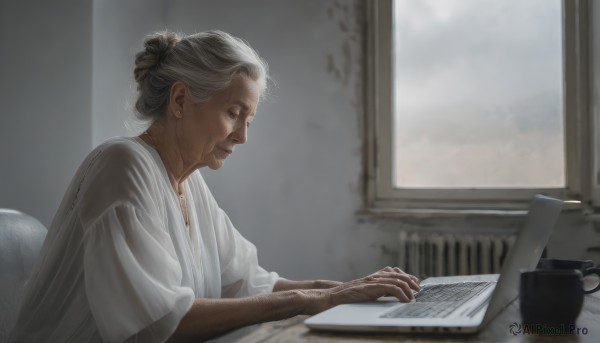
119	160
122	152
119	170
120	146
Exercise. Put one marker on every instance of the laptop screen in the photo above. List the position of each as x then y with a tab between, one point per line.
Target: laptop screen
532	238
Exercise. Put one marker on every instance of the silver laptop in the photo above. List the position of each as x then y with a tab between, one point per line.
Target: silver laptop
472	301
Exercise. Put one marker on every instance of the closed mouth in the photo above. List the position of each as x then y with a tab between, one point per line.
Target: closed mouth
226	150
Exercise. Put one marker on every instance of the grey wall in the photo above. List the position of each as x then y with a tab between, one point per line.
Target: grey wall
119	28
293	189
45	92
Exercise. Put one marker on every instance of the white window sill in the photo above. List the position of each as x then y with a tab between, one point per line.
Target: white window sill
436	213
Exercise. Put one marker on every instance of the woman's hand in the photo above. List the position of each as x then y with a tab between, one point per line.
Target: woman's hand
385	282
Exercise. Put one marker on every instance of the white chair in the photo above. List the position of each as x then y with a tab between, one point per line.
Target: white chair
21	237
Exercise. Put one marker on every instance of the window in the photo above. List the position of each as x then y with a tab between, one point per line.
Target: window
479	105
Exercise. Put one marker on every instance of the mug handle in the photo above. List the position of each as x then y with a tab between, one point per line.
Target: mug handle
592	271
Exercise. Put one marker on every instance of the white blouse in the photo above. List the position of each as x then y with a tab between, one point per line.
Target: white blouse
119	263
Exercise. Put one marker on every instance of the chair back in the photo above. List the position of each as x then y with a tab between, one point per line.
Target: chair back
21	237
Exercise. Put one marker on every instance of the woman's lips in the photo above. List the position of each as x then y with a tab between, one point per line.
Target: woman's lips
228	151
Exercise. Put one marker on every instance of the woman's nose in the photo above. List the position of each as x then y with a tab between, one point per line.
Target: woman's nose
240	135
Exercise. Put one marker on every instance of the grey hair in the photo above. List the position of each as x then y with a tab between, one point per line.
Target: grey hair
205	62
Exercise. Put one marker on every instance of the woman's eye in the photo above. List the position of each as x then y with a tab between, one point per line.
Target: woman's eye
233	115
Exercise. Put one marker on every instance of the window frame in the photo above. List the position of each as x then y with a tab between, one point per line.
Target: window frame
580	154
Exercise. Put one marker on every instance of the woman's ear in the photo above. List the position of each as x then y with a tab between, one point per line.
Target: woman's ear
176	99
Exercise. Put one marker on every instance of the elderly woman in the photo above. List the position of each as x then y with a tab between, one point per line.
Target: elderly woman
139	250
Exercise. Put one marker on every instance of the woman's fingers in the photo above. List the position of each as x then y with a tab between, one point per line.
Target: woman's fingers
411	280
400	291
403	285
385	282
372	291
414	278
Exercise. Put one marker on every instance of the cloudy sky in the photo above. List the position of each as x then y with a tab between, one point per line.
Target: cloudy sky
479	93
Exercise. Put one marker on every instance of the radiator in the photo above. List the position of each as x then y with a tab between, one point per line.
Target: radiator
435	254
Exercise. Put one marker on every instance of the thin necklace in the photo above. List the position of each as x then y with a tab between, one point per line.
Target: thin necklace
180	195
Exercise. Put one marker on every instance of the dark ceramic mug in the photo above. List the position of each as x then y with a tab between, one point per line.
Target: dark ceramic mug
551	297
590	274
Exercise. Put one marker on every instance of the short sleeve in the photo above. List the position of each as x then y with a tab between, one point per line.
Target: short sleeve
132	276
241	275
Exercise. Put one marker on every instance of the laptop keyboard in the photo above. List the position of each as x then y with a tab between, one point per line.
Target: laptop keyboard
439	300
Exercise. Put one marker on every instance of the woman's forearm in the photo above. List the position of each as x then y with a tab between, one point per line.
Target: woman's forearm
288	285
209	318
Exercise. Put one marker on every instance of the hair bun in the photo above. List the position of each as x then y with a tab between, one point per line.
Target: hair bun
156	48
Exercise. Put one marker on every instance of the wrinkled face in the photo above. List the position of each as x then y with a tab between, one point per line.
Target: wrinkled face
212	129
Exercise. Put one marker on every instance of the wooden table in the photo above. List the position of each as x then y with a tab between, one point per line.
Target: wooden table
293	330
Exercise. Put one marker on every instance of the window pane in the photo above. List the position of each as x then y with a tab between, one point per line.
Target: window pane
478	94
